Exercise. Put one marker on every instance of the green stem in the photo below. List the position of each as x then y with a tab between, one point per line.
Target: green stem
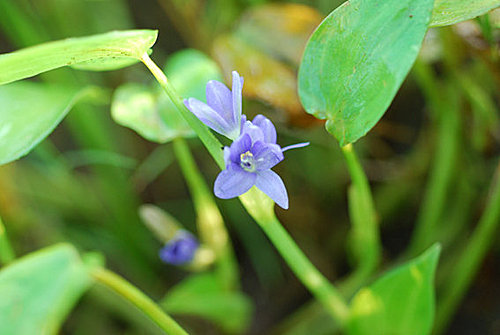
441	175
472	256
365	235
6	252
209	140
210	222
261	208
138	299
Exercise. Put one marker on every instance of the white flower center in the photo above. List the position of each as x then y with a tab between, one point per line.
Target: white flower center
247	162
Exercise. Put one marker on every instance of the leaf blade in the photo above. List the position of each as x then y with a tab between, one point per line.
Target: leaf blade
39	290
29	113
356	60
97	49
401	302
448	12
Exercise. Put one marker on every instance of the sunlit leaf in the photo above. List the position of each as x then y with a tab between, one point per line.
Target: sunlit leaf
39	290
401	302
280	30
98	52
150	112
448	12
202	295
357	59
29	112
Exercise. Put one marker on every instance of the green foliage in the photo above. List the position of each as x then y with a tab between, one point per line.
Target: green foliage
150	112
29	112
99	52
357	59
401	302
39	290
448	12
203	295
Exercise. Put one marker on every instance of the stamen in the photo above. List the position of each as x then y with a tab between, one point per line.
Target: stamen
247	162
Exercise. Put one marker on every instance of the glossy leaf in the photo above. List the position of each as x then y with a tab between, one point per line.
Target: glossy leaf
39	290
203	295
356	60
150	112
401	302
448	12
29	112
98	52
280	30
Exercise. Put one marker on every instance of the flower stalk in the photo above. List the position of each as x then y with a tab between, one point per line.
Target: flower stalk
210	222
132	294
365	236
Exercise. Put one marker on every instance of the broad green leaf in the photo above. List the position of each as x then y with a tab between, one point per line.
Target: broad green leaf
202	295
150	112
97	52
39	290
356	60
448	12
29	112
401	302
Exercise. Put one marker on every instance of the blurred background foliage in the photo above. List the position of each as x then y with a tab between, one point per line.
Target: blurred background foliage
84	184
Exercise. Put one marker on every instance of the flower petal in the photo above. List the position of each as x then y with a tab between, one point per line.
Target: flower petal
295	146
255	132
238	147
233	181
209	117
266	155
271	184
267	128
236	90
220	99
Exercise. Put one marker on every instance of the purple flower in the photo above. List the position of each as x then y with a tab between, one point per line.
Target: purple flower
180	250
249	160
222	112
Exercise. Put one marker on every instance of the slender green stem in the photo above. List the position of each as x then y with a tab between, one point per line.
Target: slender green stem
210	222
209	140
441	174
261	208
365	235
471	258
6	252
138	299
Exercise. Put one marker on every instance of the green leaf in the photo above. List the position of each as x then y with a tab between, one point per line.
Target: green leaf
150	112
202	295
39	290
448	12
29	112
401	302
356	60
98	52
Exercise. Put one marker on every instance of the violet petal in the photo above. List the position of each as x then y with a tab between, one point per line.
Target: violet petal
233	182
267	128
271	184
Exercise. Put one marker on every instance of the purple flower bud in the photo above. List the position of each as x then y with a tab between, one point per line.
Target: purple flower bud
180	250
222	112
